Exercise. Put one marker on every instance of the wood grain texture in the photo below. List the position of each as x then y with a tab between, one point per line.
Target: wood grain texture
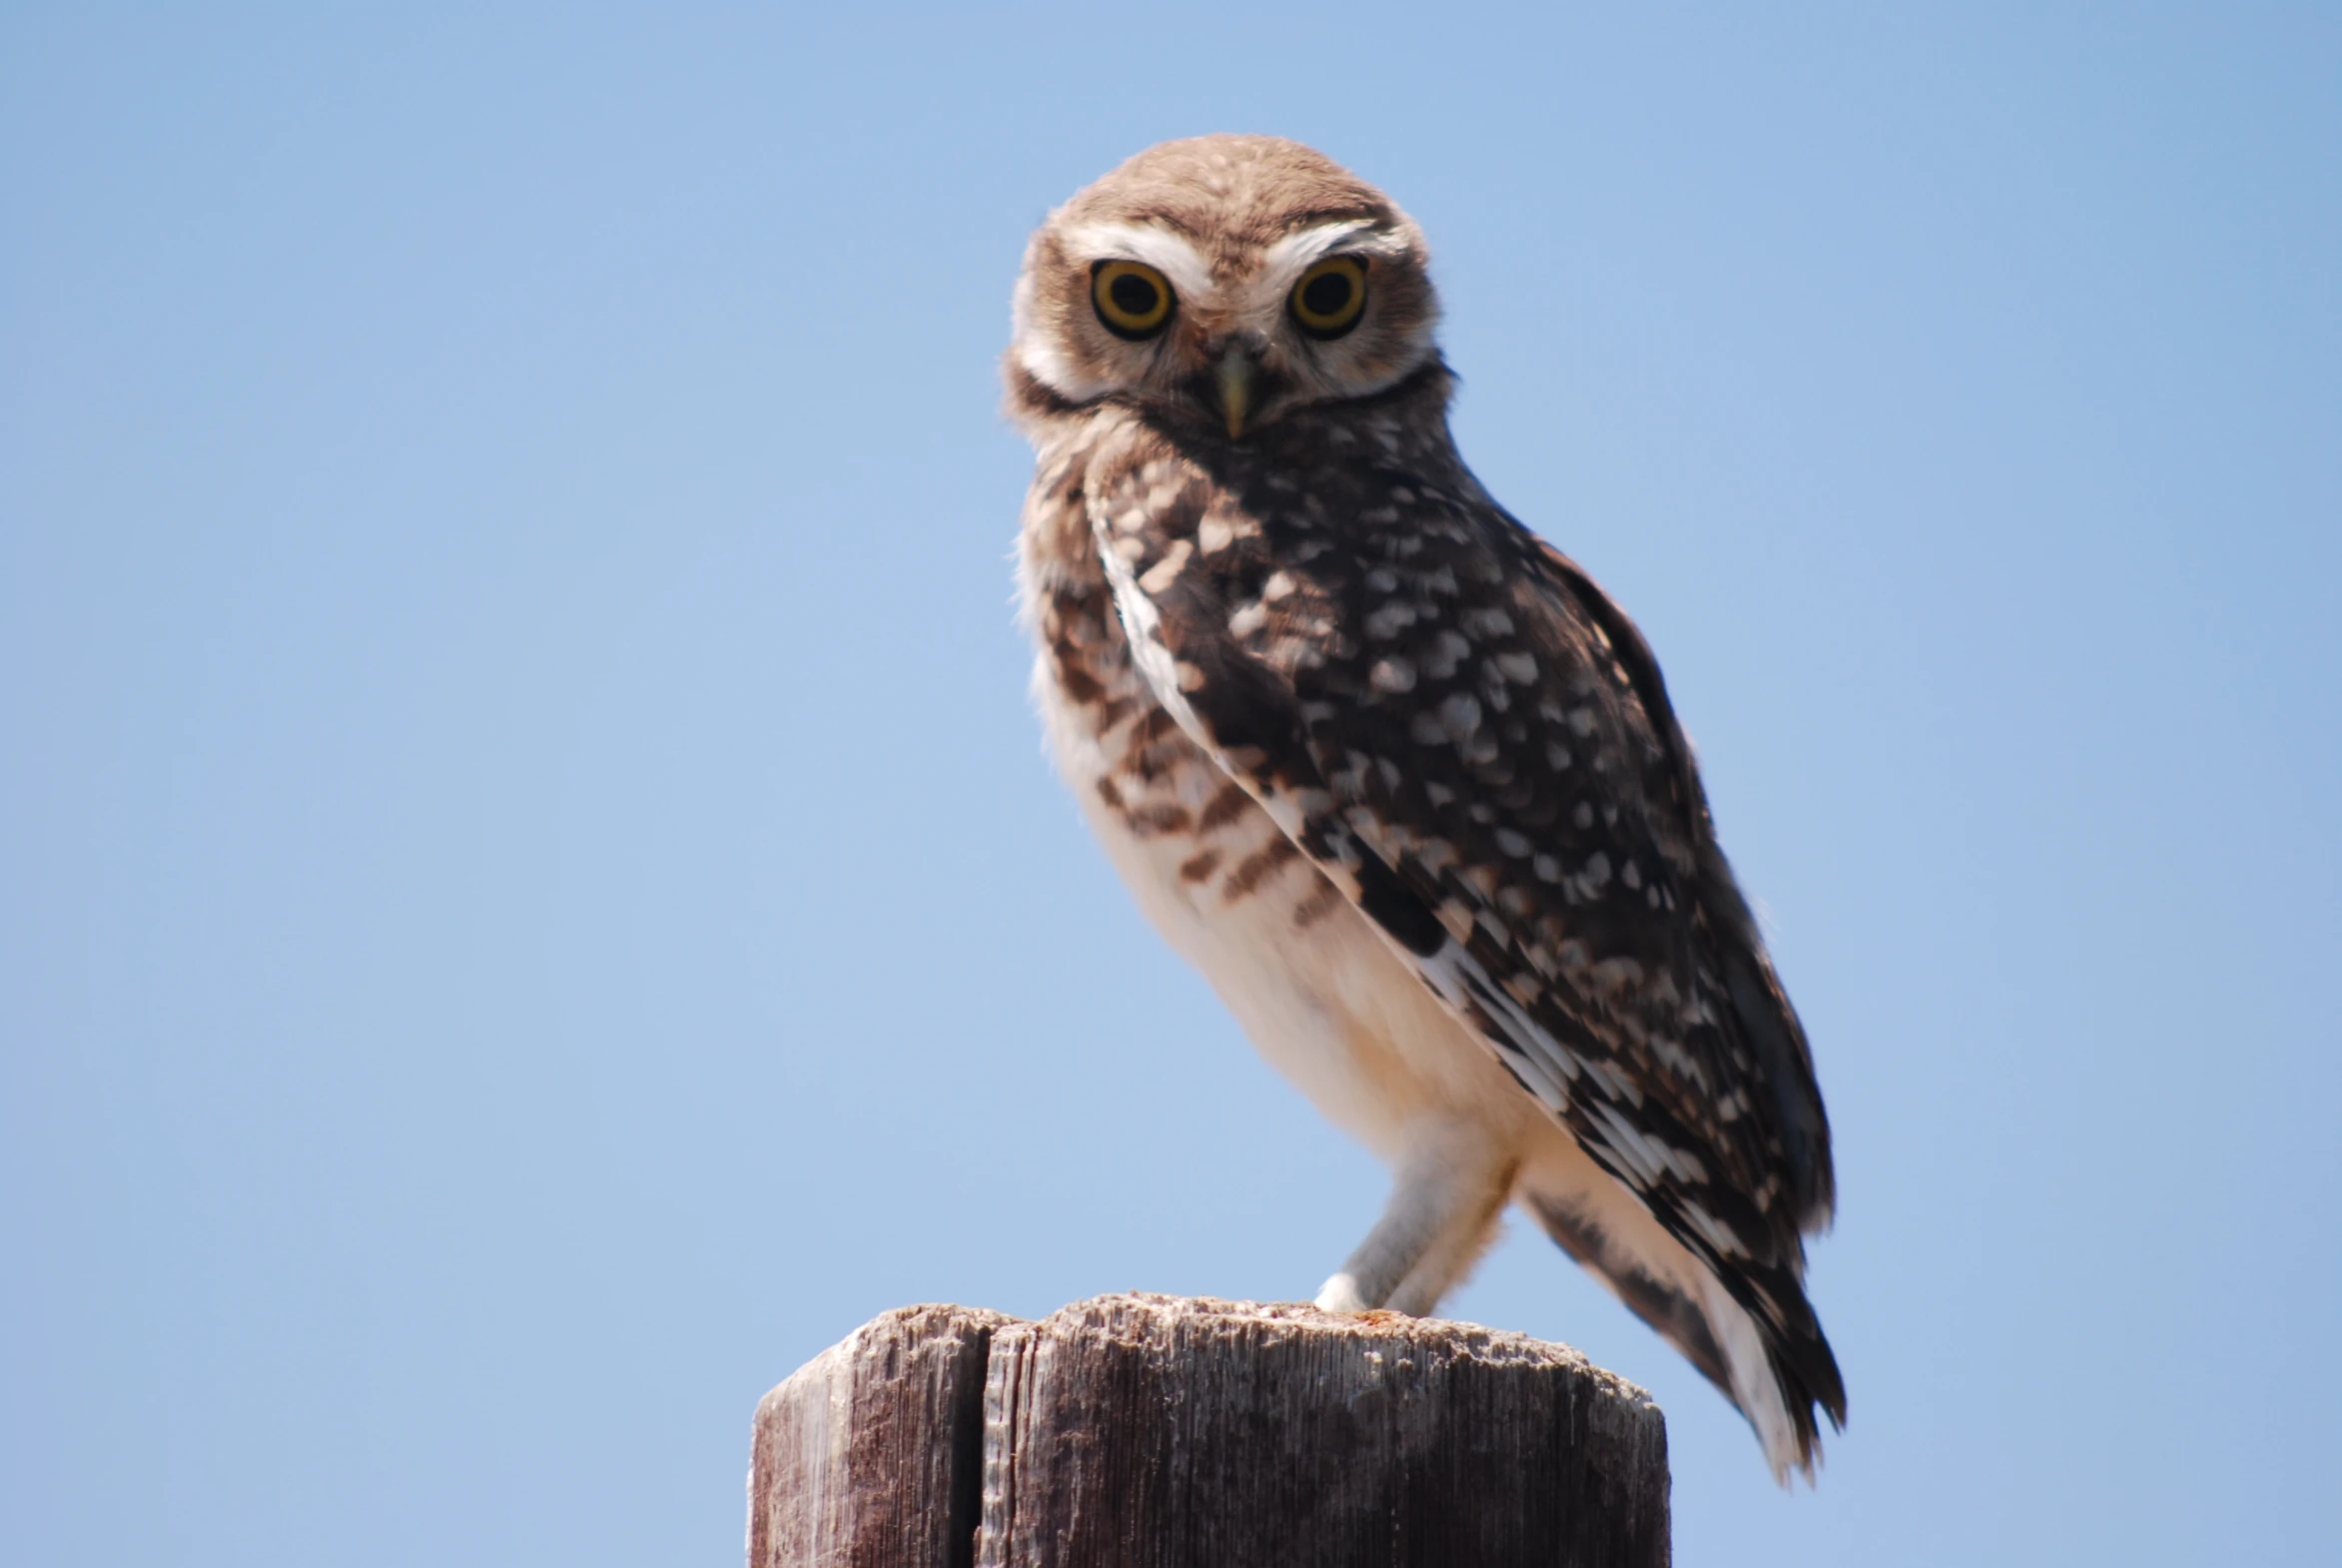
1142	1431
870	1455
1145	1431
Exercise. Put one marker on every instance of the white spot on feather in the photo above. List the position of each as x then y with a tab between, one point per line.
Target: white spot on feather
1461	714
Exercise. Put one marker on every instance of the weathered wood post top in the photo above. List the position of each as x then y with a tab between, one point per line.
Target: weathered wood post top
1147	1431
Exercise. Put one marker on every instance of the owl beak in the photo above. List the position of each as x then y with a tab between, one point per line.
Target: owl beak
1234	374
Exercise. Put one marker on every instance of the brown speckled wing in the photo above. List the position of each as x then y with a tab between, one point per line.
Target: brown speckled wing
1472	742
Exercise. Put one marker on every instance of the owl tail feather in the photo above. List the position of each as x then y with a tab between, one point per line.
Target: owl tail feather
1776	1379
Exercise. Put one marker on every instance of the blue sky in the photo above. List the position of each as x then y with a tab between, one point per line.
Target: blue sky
530	901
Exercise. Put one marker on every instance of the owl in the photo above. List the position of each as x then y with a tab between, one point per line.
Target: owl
1394	774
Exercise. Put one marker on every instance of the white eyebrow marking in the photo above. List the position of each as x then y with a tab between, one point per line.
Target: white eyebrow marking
1039	356
1168	253
1292	256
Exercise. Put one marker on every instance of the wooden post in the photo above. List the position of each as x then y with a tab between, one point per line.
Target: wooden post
871	1456
1145	1431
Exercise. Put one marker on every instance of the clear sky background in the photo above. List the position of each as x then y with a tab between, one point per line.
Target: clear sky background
531	902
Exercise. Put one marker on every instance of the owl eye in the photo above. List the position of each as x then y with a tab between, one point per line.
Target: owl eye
1132	298
1330	297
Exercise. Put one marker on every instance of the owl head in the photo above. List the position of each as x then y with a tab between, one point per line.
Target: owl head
1223	281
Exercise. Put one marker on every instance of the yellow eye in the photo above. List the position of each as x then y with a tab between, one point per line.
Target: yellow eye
1330	297
1132	298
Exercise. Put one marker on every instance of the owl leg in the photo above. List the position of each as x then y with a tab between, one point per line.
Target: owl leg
1450	1186
1451	1258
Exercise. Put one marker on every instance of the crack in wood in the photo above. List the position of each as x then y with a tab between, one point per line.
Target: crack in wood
1144	1432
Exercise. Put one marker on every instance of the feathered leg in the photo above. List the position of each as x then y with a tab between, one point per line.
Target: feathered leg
1449	1187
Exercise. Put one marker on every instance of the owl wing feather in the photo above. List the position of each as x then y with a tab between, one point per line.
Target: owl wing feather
1473	742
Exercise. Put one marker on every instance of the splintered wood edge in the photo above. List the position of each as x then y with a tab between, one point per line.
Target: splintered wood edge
1129	1313
910	1325
1141	1317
